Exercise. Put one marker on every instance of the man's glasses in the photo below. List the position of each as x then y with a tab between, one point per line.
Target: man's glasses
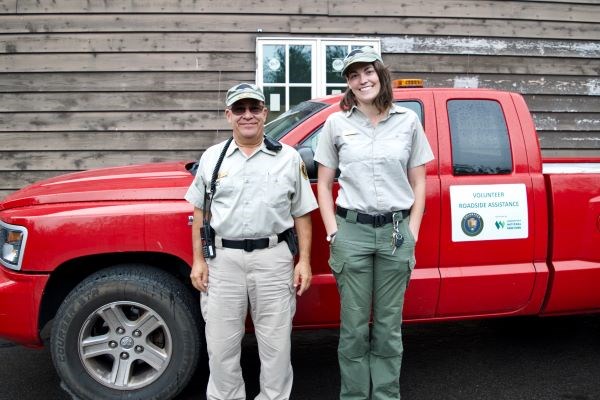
241	110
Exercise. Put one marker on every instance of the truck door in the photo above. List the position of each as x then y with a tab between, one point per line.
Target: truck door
486	249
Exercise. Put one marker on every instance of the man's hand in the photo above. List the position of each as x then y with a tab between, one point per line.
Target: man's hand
199	275
302	277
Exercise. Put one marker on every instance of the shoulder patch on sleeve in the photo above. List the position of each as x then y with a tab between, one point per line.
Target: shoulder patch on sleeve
303	170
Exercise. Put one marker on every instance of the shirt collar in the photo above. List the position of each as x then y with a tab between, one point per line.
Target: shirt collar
233	147
396	109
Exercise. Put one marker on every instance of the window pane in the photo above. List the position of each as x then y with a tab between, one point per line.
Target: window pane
334	58
275	101
274	64
300	64
299	94
480	144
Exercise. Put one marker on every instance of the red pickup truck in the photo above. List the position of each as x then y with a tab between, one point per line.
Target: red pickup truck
98	261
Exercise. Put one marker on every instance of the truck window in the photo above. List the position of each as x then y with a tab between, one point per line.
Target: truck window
414	105
480	144
287	121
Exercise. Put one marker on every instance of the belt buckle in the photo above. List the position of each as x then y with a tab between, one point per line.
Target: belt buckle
248	245
378	220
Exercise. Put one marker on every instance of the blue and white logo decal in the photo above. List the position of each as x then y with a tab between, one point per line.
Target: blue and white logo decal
472	224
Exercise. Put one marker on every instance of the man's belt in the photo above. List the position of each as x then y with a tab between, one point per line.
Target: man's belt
252	244
372	219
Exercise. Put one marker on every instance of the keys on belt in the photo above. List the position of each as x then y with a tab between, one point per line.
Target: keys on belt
376	220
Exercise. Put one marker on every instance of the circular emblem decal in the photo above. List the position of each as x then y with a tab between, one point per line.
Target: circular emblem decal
472	224
337	64
274	64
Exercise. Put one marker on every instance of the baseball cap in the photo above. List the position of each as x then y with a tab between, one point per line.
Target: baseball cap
244	91
364	54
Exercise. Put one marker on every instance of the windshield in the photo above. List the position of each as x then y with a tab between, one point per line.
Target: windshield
287	121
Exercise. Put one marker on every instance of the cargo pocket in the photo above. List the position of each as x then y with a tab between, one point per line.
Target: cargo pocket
204	305
411	263
335	263
292	300
336	266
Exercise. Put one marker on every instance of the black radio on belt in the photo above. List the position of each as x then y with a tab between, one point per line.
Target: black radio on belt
207	233
208	240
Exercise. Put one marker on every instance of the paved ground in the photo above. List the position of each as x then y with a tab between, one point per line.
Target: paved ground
517	359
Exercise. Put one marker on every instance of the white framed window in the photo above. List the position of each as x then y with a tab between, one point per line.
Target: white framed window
291	70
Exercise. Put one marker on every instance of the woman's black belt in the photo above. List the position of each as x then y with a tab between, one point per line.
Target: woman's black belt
372	219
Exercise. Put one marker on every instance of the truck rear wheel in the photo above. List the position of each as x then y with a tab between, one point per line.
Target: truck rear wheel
127	332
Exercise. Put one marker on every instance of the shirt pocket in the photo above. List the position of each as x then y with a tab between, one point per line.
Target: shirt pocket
277	191
394	153
224	191
353	146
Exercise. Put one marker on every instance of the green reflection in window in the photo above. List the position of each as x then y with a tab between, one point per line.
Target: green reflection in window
300	64
334	56
299	94
274	64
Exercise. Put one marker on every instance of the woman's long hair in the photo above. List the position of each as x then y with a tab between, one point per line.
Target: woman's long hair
383	101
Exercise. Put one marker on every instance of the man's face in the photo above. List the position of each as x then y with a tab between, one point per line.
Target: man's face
247	118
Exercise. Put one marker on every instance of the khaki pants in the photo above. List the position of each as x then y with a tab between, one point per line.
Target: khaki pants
371	281
263	278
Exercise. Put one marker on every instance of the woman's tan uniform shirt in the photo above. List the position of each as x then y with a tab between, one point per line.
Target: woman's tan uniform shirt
374	161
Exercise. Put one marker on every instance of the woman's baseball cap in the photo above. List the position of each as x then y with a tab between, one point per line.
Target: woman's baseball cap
364	54
244	91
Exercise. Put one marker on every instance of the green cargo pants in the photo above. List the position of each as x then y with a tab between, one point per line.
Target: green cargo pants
371	282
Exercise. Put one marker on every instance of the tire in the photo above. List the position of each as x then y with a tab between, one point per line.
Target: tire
127	332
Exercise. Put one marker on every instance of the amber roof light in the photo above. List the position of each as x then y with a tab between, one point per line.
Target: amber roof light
407	83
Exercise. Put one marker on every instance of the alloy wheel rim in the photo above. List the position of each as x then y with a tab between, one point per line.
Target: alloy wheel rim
125	345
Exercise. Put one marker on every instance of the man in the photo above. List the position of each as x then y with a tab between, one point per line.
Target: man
261	192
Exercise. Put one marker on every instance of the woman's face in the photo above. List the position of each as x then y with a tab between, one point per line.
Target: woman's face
363	80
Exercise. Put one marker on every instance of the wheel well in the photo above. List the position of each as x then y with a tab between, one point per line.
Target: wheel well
68	275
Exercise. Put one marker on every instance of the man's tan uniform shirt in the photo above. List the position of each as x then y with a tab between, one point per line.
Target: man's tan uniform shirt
374	161
256	196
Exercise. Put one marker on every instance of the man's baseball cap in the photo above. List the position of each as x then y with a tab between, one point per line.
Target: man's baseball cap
365	54
244	91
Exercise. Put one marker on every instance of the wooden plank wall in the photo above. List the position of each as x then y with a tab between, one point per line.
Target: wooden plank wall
86	84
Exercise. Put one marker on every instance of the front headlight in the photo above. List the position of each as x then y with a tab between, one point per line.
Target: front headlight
12	239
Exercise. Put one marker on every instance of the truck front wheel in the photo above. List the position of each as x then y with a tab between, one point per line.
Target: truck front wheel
127	332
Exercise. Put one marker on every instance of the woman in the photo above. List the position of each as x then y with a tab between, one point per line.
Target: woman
381	152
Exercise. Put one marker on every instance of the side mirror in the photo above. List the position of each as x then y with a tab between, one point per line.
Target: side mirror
308	157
